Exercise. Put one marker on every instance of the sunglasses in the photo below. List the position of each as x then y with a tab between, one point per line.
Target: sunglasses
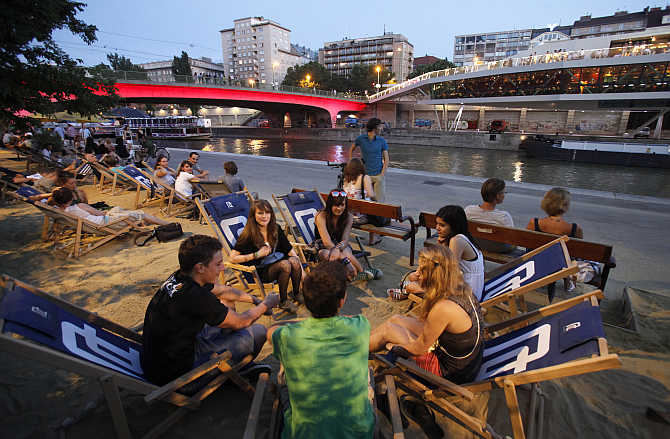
338	194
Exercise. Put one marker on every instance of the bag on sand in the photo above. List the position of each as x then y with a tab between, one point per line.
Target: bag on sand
162	233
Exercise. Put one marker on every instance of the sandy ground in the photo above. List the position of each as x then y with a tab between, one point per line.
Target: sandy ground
118	280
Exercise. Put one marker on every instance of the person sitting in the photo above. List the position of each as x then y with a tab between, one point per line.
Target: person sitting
234	183
110	158
185	179
493	194
357	184
556	203
332	229
63	198
452	232
163	172
446	339
121	149
325	358
90	146
67	180
192	315
47	182
193	158
264	245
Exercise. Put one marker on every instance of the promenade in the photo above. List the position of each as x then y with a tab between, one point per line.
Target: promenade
634	225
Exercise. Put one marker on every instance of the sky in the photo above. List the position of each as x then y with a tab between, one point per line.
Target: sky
153	30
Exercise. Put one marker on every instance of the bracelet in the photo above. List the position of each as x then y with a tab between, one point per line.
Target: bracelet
253	256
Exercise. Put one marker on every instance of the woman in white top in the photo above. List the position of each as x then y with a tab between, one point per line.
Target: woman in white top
355	181
63	197
164	173
452	232
185	179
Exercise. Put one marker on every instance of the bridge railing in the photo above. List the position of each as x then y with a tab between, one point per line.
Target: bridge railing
219	81
548	58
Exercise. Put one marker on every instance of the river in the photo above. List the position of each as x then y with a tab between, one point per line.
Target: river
507	165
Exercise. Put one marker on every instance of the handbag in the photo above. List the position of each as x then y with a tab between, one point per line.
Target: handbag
162	233
270	259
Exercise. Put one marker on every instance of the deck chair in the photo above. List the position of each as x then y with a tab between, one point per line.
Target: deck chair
173	197
559	340
535	269
64	336
227	215
298	210
74	235
109	181
140	181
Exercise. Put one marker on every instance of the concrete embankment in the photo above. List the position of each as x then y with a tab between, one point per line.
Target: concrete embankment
397	136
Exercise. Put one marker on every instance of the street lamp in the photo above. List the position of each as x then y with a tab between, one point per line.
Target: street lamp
274	67
307	79
251	82
378	69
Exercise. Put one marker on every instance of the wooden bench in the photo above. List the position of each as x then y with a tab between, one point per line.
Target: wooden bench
396	229
530	239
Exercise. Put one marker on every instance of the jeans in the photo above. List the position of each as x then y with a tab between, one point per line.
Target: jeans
240	343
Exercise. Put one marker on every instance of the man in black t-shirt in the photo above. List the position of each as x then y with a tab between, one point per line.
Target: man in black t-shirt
191	316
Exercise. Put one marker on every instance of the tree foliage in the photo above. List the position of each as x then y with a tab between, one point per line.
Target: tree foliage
181	66
36	75
122	64
437	65
363	78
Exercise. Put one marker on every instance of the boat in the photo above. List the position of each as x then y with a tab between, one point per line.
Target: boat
172	127
636	154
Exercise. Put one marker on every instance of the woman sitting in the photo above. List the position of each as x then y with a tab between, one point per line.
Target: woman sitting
62	198
163	172
332	229
452	232
185	179
357	184
264	245
446	339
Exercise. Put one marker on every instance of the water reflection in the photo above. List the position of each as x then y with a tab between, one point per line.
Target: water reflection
508	165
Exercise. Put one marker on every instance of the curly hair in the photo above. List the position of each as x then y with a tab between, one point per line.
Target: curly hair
556	201
440	276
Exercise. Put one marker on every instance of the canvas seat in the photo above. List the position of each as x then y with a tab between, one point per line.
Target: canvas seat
57	333
172	196
139	181
560	340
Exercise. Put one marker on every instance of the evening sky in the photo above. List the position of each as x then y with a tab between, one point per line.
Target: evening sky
152	30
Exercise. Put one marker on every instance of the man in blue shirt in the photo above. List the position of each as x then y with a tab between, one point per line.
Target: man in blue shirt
375	154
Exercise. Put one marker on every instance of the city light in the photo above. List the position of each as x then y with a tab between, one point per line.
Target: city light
251	82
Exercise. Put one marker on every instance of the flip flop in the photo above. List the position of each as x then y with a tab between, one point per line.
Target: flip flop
419	412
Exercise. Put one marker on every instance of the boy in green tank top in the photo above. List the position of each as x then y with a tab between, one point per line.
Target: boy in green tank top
326	362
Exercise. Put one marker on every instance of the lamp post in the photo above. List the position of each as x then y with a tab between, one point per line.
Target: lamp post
378	69
251	82
274	67
307	78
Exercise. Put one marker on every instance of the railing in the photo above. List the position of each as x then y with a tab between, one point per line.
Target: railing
549	58
210	80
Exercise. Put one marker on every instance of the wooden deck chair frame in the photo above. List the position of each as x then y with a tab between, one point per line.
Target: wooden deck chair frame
148	200
111	179
446	392
171	194
87	235
239	279
110	380
515	298
299	239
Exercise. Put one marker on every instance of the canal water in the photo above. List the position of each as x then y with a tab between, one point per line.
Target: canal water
507	165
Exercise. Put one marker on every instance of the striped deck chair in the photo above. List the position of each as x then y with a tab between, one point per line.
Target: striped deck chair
298	210
173	197
537	268
227	215
140	181
560	340
109	181
67	337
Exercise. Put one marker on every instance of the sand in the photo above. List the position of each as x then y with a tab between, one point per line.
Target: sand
118	280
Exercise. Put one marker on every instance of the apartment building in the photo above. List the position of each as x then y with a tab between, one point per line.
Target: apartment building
161	71
392	51
258	50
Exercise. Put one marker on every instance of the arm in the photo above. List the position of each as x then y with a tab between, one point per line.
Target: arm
457	245
369	190
230	294
237	258
351	150
39	197
160	172
530	225
385	159
82	195
320	221
437	321
236	320
346	232
91	210
579	233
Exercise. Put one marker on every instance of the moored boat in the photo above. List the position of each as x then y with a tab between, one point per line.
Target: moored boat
172	127
646	155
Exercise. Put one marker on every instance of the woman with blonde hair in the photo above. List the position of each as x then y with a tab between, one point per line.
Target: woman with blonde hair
264	245
446	338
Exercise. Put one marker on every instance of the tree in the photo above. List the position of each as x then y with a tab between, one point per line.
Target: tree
364	77
437	65
319	77
122	64
36	75
181	65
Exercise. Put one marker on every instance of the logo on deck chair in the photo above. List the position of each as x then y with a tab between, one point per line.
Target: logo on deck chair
500	360
99	351
305	221
510	281
232	228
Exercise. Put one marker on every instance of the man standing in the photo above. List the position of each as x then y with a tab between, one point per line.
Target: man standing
493	193
193	159
191	316
375	154
326	362
60	132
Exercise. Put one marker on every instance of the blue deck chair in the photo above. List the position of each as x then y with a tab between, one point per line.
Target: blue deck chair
302	208
556	341
169	193
64	336
140	181
227	215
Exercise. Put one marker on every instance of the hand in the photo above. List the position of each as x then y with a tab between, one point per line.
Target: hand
271	300
334	254
264	251
413	288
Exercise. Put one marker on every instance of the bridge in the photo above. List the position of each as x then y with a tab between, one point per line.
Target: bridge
618	78
279	100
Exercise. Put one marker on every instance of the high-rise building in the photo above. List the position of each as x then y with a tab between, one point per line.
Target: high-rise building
258	49
492	46
392	51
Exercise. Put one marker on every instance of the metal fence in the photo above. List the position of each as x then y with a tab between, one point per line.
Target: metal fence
222	82
548	58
